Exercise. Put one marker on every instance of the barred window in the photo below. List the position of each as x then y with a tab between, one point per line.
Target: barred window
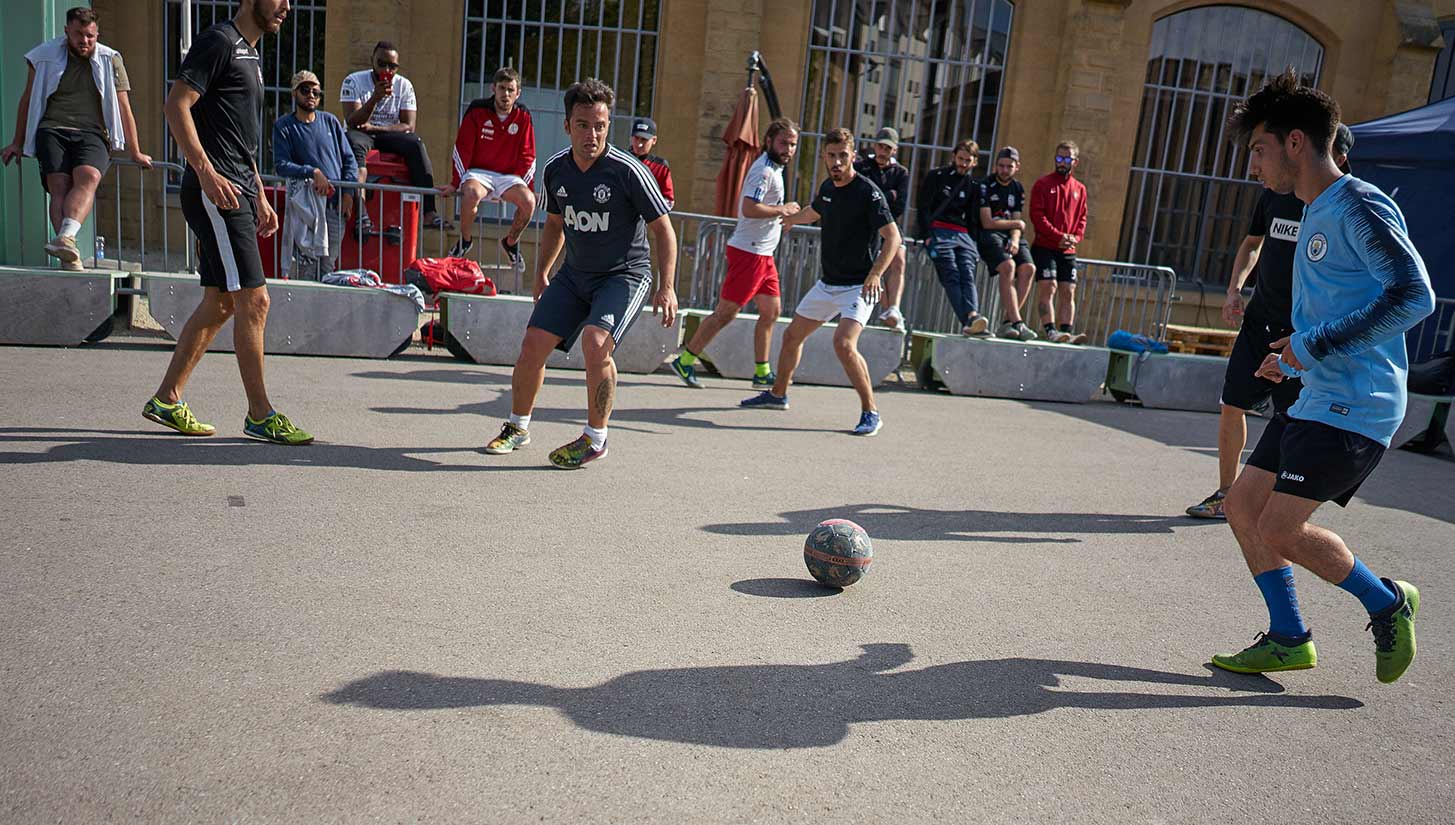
298	46
932	69
1189	197
554	43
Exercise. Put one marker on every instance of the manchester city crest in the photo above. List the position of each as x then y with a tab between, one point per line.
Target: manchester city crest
1318	247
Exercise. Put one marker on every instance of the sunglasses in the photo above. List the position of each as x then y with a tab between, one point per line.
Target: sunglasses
311	91
1065	158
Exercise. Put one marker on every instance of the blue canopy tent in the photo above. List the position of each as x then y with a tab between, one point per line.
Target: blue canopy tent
1411	156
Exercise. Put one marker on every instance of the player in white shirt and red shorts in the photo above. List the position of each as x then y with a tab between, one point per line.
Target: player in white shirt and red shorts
751	274
495	160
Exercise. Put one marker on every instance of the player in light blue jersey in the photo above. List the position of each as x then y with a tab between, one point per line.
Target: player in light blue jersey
1358	284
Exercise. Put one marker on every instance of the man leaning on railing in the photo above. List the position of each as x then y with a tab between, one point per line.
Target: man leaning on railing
82	116
311	148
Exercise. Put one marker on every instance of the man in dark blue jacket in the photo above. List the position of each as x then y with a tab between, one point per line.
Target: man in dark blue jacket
311	148
884	170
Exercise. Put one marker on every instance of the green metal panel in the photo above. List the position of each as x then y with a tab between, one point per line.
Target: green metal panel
24	225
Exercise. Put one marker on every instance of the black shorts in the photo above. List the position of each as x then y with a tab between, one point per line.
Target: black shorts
1052	265
574	300
227	240
62	150
1312	460
995	249
1246	391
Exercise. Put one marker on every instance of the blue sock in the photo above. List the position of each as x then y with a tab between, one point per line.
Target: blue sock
1368	589
1284	618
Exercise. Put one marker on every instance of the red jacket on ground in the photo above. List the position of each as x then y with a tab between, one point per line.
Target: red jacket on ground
487	141
1058	207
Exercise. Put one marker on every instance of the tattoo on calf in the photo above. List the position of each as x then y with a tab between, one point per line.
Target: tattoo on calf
601	398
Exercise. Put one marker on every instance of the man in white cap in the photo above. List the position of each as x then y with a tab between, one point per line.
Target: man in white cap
644	140
311	148
884	170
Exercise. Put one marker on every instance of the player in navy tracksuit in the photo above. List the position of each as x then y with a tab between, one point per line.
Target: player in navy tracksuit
1358	284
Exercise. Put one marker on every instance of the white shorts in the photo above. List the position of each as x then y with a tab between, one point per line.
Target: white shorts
823	302
495	183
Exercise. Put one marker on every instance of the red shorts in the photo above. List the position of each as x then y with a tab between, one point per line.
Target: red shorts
748	275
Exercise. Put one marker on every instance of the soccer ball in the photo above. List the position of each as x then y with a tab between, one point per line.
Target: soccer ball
838	552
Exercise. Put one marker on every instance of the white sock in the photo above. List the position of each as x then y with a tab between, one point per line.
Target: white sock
521	421
598	437
70	226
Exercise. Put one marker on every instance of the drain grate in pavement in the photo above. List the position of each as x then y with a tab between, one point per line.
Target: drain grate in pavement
236	501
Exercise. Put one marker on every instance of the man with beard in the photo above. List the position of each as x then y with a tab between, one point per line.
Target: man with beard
310	148
600	204
949	223
1058	211
82	116
751	273
1003	245
853	218
214	112
644	140
1358	285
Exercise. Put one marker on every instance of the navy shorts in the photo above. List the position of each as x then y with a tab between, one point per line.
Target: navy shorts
1246	391
995	249
1054	265
574	300
1312	460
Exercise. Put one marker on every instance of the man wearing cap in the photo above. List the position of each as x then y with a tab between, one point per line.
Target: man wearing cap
1270	245
311	148
73	114
893	180
1003	245
644	139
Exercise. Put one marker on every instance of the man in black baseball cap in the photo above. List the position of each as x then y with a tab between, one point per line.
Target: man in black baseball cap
644	139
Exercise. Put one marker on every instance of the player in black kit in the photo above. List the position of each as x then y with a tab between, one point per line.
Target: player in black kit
1003	245
600	203
214	111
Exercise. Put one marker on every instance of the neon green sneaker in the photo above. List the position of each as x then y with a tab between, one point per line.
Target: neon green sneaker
276	428
178	416
1266	655
1394	634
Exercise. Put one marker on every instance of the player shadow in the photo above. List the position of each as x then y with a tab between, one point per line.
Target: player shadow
476	376
643	420
895	521
814	706
132	447
785	588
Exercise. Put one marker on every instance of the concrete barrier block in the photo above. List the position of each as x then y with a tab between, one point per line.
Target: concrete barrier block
731	352
1032	371
46	307
1177	381
304	317
489	328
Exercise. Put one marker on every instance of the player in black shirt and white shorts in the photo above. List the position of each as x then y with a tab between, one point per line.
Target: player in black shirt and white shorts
600	203
1270	245
853	217
214	112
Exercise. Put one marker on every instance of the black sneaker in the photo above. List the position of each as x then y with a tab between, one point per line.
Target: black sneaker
512	251
461	248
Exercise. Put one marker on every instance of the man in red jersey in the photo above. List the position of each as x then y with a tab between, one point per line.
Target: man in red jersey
1058	211
644	140
495	160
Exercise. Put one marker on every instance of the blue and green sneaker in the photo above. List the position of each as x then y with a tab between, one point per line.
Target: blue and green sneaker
572	456
765	381
276	428
688	374
178	416
1394	633
1269	655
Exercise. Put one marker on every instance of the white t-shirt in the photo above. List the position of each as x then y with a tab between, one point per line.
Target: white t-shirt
764	184
359	87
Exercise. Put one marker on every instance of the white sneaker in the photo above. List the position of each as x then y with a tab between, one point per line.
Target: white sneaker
979	325
1011	331
892	318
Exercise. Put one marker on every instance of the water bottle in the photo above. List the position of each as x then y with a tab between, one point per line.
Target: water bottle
100	249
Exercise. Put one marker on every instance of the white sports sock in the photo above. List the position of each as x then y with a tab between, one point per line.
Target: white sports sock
598	437
70	226
521	421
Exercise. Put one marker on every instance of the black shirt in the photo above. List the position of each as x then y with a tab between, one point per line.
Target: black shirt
946	196
850	219
225	70
606	210
1276	219
892	180
1004	200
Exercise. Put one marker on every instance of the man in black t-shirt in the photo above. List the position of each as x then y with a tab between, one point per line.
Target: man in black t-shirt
1003	245
853	218
949	225
1270	245
214	112
600	204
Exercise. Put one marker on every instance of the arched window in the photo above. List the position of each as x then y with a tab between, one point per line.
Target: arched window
1190	196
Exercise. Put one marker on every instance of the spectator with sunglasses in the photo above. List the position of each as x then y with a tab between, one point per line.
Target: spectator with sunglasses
381	112
1058	211
311	148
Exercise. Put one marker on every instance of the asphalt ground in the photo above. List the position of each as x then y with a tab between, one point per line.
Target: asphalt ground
391	626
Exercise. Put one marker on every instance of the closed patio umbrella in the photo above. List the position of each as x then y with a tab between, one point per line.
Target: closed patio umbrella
741	137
